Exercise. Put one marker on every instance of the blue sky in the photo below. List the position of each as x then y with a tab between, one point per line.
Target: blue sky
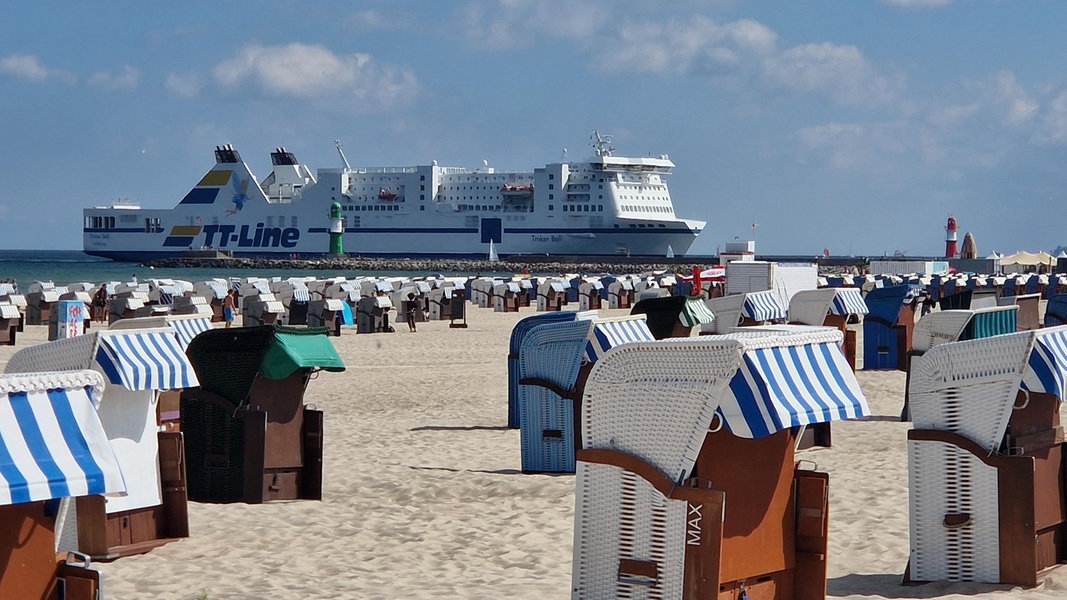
853	125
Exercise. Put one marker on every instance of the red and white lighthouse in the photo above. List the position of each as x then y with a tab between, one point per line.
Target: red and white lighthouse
950	238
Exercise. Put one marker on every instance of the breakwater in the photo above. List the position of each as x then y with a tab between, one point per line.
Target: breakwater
443	266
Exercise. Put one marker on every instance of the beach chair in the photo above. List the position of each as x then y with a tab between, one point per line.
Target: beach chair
515	342
137	364
686	481
186	327
762	307
673	316
727	312
249	436
985	459
554	362
888	326
1056	311
10	317
832	307
1028	316
55	448
325	312
956	325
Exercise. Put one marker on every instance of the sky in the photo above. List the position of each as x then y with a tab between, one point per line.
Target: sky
854	126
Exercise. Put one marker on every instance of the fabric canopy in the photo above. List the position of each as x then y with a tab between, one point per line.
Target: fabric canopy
1027	259
610	333
848	301
763	306
52	444
1046	368
187	329
145	360
301	294
780	387
299	348
695	312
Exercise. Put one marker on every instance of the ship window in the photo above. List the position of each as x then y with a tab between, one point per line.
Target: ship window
422	178
422	188
551	196
551	186
551	207
551	175
422	196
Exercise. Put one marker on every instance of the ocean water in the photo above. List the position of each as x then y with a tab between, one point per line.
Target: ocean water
63	267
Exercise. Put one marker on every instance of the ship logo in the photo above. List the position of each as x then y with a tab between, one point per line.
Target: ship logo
240	194
181	236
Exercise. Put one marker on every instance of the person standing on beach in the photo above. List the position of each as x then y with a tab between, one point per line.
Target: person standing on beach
412	307
100	303
228	308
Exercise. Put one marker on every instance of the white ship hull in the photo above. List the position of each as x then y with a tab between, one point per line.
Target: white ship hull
606	206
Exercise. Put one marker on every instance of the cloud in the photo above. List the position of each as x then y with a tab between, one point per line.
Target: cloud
28	67
697	44
313	72
508	24
186	85
852	146
840	73
1054	124
126	79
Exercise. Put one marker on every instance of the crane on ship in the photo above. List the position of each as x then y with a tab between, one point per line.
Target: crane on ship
337	144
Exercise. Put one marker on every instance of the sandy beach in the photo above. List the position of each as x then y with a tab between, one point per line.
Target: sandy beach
423	495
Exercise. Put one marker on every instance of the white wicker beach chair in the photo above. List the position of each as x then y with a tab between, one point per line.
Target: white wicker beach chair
136	364
977	507
643	527
811	306
727	311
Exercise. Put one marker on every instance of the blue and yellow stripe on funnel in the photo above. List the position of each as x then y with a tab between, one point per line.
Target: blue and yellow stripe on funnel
181	236
207	190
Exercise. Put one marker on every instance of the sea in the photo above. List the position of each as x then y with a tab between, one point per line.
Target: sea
65	267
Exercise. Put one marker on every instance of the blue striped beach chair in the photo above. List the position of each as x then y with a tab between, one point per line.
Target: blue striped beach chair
554	361
762	307
686	481
985	459
515	342
137	364
54	449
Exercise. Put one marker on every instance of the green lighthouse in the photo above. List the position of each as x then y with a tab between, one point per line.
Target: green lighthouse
337	229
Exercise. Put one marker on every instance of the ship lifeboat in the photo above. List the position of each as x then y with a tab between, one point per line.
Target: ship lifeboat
386	194
516	191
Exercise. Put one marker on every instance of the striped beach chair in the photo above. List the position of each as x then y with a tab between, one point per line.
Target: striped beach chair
52	447
554	361
137	364
985	459
674	316
515	342
686	484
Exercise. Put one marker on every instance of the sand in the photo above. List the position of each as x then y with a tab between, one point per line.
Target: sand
423	496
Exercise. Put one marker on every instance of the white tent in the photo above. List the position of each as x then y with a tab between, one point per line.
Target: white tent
1021	260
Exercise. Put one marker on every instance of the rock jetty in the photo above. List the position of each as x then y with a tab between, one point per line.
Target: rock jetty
444	266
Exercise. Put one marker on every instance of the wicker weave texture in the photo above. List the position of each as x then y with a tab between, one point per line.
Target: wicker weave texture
619	515
515	342
944	479
969	387
656	400
811	306
727	311
552	352
939	327
60	355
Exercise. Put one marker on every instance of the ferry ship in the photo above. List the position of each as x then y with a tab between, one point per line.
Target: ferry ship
605	206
